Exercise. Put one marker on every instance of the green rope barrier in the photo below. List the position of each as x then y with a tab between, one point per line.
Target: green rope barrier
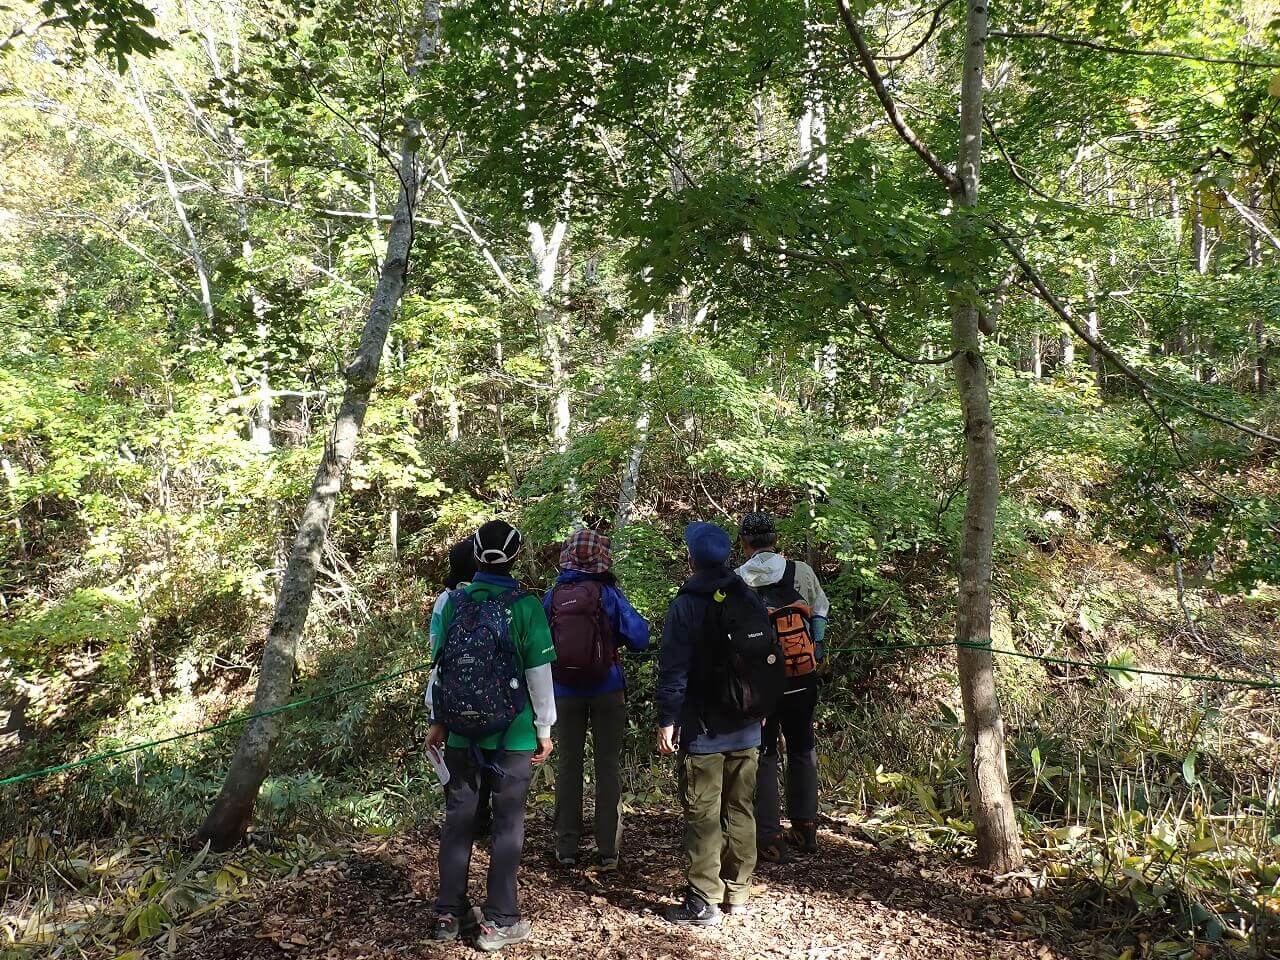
125	751
972	645
875	648
1117	668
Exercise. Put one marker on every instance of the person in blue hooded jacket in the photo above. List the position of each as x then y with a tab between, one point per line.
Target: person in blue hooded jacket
717	767
586	602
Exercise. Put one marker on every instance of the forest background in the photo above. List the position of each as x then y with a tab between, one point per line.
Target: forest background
660	263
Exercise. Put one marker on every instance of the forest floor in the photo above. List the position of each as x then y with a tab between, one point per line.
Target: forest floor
853	901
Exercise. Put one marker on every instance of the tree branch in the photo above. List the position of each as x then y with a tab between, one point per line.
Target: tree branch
1142	383
1252	218
909	136
873	327
1128	51
445	188
879	337
933	25
29	29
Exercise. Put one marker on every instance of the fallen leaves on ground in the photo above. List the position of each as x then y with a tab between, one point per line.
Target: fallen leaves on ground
853	901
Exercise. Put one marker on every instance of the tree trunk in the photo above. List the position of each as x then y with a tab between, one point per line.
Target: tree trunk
630	484
1037	355
544	251
999	842
1261	374
812	127
179	208
261	413
228	820
677	317
1091	320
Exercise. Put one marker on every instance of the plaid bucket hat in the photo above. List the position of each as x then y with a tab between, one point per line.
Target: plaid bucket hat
587	552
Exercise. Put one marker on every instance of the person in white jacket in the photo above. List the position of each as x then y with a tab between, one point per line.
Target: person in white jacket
778	580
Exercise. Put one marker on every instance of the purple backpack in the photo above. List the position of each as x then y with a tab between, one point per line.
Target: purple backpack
583	635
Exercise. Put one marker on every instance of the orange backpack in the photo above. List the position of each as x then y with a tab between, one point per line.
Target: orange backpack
793	622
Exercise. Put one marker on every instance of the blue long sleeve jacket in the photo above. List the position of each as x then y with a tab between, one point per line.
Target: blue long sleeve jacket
679	699
631	629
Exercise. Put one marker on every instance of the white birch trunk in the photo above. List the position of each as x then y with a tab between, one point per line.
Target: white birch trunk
630	485
1095	330
544	251
812	127
171	187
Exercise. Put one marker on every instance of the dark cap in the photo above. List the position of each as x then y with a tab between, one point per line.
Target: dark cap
496	543
756	524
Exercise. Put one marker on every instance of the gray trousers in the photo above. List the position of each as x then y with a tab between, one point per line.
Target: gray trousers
606	717
794	719
508	793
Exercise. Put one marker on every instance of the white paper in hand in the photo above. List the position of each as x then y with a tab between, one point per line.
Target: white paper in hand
436	755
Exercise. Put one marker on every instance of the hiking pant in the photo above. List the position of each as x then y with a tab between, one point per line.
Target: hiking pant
606	717
794	717
508	793
716	790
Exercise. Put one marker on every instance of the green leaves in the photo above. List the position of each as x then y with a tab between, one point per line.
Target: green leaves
117	29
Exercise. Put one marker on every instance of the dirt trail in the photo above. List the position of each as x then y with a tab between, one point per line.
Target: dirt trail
852	902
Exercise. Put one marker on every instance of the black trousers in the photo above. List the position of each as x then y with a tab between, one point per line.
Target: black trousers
508	793
794	719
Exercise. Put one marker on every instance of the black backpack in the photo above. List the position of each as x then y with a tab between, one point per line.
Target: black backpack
743	670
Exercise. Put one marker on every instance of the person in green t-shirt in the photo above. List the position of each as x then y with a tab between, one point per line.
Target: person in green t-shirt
502	761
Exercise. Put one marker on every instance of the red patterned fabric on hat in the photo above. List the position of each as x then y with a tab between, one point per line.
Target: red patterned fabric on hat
587	552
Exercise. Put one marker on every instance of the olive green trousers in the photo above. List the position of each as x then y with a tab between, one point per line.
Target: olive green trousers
718	792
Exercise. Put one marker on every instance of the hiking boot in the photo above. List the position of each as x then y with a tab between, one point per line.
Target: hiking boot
493	937
773	850
566	862
735	909
607	865
804	835
448	927
694	912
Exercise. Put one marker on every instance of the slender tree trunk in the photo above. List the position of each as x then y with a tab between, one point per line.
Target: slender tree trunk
812	128
229	818
179	208
455	418
260	415
630	484
1261	373
999	842
500	421
1201	248
678	316
1091	320
1037	356
544	251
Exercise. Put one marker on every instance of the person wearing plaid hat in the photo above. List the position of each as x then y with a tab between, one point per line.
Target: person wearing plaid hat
765	568
590	621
